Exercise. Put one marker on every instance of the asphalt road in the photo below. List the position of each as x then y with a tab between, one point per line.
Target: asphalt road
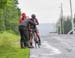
55	46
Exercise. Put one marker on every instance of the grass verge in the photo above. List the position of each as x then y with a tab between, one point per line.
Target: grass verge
10	48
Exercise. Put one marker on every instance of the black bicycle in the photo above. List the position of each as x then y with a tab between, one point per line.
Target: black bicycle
35	39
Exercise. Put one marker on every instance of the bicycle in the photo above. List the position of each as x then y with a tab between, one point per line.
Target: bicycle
35	39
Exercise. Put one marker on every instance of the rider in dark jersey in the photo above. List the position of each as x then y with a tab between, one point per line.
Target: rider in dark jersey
34	27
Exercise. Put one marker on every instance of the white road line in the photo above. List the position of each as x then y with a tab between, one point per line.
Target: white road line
54	51
64	42
43	54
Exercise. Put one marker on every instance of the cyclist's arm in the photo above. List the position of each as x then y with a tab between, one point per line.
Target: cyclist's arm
37	23
31	22
20	20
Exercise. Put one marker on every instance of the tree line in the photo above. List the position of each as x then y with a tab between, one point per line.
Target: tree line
9	15
66	25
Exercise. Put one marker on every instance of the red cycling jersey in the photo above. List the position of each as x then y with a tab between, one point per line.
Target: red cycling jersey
21	20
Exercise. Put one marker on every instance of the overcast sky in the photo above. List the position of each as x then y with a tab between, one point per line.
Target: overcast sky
47	11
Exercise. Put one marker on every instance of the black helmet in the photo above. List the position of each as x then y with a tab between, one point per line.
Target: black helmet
33	16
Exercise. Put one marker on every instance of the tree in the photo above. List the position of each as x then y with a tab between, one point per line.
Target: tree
9	15
67	25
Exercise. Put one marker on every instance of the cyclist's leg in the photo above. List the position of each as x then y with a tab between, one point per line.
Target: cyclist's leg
22	36
30	39
26	37
37	34
30	36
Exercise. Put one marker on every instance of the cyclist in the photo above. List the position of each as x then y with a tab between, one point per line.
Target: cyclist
23	29
34	27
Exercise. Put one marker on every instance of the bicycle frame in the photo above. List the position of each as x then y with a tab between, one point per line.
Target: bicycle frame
35	39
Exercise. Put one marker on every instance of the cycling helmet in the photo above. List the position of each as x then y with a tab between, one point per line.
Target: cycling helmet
24	14
33	16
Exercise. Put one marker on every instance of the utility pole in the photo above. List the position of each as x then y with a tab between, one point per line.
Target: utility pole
71	16
62	21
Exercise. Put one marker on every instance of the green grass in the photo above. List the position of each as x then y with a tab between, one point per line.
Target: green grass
10	48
